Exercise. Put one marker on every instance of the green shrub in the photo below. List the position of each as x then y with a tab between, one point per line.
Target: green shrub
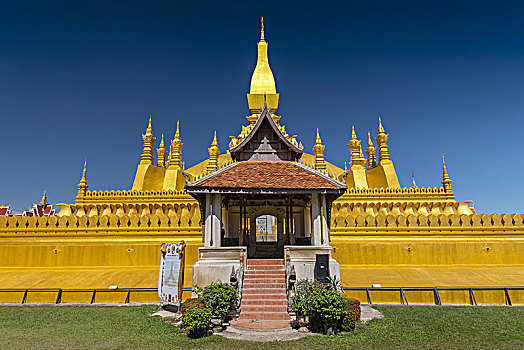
218	296
325	305
328	308
196	318
191	303
351	316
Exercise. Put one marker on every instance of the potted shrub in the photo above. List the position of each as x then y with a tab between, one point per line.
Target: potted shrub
218	297
196	321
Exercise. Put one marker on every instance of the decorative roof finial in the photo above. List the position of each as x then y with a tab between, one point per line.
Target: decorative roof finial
382	141
371	153
446	181
262	38
43	202
149	141
82	185
318	151
214	153
161	153
175	150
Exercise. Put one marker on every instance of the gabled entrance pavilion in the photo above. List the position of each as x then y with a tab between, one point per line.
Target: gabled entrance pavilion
266	204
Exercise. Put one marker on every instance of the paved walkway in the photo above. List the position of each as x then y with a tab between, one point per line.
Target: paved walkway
261	335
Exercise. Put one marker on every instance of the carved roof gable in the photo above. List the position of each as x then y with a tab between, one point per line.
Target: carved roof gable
265	142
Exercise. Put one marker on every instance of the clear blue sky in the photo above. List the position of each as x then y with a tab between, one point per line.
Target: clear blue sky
78	80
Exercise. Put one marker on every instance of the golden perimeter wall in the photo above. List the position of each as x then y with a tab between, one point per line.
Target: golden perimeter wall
98	251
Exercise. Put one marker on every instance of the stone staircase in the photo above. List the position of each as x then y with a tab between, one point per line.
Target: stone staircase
264	302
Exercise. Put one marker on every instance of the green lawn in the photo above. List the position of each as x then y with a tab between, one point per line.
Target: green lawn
408	327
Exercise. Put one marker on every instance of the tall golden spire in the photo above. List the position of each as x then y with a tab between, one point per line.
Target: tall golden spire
318	151
43	202
149	142
355	150
371	153
82	185
262	38
446	181
214	152
161	153
175	151
382	141
262	89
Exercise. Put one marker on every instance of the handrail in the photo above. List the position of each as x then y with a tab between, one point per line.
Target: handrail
61	291
435	290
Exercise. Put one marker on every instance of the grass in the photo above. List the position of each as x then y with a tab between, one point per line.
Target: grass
407	327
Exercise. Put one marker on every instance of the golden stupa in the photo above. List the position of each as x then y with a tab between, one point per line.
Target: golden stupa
380	232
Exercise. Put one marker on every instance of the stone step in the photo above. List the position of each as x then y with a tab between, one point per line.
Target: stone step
276	316
274	285
264	301
263	308
262	280
264	294
264	273
265	268
251	262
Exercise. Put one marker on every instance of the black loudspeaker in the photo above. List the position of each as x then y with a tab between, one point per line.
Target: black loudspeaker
322	267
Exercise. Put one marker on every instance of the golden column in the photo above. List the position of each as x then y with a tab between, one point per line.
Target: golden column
161	153
214	152
382	141
149	142
371	153
318	151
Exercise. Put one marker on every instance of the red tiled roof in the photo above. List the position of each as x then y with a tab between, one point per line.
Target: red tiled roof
278	175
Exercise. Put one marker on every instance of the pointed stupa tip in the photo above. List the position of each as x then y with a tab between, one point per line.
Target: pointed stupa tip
380	127
43	201
162	145
177	132
353	134
84	171
370	143
318	140
262	37
214	143
149	129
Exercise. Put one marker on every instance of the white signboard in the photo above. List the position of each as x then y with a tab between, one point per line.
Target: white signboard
171	265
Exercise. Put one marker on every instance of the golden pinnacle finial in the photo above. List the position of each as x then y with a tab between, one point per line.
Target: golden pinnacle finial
162	145
177	133
82	185
262	38
149	130
370	143
353	134
318	140
380	127
214	143
446	181
43	201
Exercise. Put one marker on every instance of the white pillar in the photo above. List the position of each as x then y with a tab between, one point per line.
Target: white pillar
325	226
307	221
315	213
207	221
216	208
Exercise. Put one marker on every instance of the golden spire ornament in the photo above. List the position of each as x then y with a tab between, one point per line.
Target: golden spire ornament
214	152
446	181
149	141
371	153
175	153
82	185
318	151
382	141
161	153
